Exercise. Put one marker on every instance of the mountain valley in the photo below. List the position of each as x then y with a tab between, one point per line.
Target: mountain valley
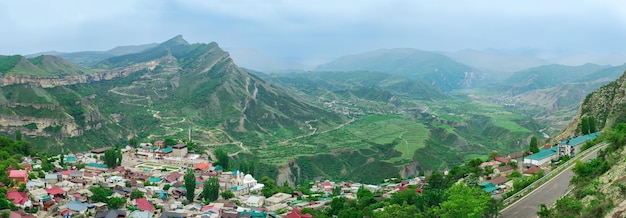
361	117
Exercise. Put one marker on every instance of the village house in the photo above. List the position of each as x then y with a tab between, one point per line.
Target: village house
532	170
277	198
571	147
295	213
179	150
255	201
492	164
144	204
542	158
159	144
504	170
20	176
20	199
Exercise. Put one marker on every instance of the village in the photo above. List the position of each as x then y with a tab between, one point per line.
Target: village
149	180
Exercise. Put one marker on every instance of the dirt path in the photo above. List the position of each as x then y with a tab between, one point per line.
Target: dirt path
315	131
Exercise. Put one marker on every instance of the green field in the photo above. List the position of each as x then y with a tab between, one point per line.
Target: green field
400	131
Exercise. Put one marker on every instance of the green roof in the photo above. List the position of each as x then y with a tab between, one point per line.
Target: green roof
580	139
488	187
167	150
543	153
98	165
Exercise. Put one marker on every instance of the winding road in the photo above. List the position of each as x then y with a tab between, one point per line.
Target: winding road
546	194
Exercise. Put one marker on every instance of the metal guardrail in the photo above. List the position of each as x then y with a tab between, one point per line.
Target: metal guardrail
551	174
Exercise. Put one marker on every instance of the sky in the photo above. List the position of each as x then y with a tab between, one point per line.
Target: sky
320	28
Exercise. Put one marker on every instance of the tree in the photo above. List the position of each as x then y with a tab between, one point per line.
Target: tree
568	207
544	212
169	141
190	185
18	134
336	205
592	124
584	125
397	210
227	194
222	158
116	202
464	201
62	160
211	189
493	155
133	142
22	187
270	186
534	145
136	194
100	194
112	158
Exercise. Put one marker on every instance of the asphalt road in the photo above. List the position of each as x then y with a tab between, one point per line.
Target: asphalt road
546	194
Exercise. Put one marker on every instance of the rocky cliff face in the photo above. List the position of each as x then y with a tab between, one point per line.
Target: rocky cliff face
54	81
606	105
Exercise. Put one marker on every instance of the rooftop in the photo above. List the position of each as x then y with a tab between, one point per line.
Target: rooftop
18	174
580	139
543	153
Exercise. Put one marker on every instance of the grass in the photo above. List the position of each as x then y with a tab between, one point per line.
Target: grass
406	136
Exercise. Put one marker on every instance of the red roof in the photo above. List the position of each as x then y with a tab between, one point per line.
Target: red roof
202	166
327	184
66	211
173	176
67	173
532	170
295	213
18	174
516	155
143	204
56	190
48	203
498	181
505	168
18	197
77	195
502	159
207	207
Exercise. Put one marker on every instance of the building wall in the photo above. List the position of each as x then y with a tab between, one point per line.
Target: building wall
179	152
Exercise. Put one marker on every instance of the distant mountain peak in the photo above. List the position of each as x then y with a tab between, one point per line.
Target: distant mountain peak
177	40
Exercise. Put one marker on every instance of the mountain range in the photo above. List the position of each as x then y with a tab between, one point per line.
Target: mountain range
361	117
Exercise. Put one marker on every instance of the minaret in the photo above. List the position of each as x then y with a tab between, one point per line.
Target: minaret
189	134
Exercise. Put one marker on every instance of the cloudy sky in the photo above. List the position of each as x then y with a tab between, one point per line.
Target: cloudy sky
321	28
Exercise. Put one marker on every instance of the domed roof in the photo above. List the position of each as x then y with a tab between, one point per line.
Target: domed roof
248	177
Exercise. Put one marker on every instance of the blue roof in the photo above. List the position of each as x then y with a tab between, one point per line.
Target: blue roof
155	179
580	139
543	153
98	165
77	206
490	189
167	150
238	188
235	172
70	159
219	167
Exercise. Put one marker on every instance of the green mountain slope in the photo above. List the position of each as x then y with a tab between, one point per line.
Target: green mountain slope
606	105
400	126
547	76
195	86
90	58
44	65
431	67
